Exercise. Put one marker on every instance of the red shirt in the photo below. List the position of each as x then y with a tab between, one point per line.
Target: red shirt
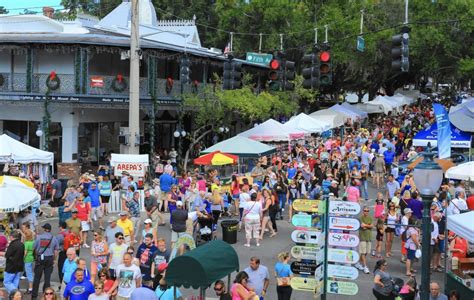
3	243
460	244
83	211
71	240
470	202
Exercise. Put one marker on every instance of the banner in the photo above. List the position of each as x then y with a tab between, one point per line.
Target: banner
444	131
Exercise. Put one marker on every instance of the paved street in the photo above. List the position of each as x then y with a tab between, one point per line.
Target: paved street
269	249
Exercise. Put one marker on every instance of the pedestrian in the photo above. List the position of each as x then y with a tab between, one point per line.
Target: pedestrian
46	248
240	289
128	278
379	169
82	264
404	224
160	257
178	223
352	192
283	275
392	186
16	295
412	243
391	220
105	189
148	229
69	267
99	293
221	291
267	204
434	243
14	262
259	279
104	276
383	283
151	208
244	197
116	251
365	237
145	254
380	228
56	193
96	205
379	210
252	216
99	254
435	292
63	232
84	214
143	293
132	206
74	223
78	288
29	259
454	295
416	205
127	227
166	292
49	294
111	230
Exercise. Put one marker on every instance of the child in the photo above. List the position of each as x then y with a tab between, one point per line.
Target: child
380	227
408	290
379	211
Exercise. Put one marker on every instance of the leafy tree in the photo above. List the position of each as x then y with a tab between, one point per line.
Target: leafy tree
3	10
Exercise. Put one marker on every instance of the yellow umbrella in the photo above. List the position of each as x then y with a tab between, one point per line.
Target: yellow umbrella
216	158
16	194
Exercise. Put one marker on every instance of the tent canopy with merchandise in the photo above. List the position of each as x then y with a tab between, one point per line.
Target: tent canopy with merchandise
13	151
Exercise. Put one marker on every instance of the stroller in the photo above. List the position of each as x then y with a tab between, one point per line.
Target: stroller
205	232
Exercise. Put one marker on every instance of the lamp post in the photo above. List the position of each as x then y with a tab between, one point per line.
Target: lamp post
428	177
179	134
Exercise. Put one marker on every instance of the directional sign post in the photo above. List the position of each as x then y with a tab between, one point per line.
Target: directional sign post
311	253
306	220
263	59
314	206
343	240
303	236
344	208
342	272
303	267
340	223
343	256
342	287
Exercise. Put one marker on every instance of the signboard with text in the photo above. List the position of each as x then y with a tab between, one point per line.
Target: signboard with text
340	223
343	240
344	208
342	287
342	272
134	169
343	256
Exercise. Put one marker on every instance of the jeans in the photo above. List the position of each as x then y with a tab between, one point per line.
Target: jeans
29	271
61	259
282	200
284	292
42	266
11	281
273	213
364	189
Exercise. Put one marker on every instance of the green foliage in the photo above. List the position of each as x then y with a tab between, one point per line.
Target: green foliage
3	10
466	67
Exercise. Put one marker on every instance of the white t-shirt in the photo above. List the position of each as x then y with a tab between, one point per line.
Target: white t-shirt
456	205
243	198
127	277
104	296
254	208
117	251
434	232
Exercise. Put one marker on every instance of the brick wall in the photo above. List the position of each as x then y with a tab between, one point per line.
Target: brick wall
69	171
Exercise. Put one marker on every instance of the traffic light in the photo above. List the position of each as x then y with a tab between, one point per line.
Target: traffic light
325	67
400	51
311	72
288	75
275	75
232	75
185	70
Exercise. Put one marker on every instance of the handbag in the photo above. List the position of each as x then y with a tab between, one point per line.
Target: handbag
283	281
246	211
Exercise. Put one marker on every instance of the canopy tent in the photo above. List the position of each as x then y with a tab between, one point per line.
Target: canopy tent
459	139
354	98
305	123
216	158
462	116
463	171
202	266
333	118
348	114
388	103
16	194
362	114
13	151
403	100
462	225
372	108
242	147
272	131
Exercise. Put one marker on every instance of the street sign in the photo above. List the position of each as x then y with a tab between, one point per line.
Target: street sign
307	236
303	268
360	43
314	206
306	220
319	272
342	287
311	253
343	256
344	208
306	284
343	240
259	58
341	223
342	272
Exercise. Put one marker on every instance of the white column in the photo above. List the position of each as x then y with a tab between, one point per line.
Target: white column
70	126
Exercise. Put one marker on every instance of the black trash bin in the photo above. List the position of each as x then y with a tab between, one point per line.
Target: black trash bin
229	231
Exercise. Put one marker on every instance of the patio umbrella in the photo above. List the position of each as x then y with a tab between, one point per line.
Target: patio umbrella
461	172
216	158
16	194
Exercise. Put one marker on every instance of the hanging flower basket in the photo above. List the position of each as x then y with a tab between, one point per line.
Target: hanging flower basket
195	87
53	82
169	85
119	84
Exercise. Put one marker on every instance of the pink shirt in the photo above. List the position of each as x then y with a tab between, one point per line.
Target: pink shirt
353	194
234	293
201	184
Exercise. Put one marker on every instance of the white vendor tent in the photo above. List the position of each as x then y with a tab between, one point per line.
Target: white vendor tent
362	114
307	124
462	225
272	131
16	194
242	147
401	99
463	171
333	118
13	151
372	108
354	98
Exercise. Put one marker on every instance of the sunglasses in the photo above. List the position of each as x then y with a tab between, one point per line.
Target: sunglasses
120	237
366	211
130	252
49	293
102	275
218	290
97	288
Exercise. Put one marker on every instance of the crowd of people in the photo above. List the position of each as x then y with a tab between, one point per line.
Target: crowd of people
129	257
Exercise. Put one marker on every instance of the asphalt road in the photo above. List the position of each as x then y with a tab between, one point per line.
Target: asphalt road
268	251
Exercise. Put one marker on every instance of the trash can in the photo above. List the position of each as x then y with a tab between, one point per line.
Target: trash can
229	231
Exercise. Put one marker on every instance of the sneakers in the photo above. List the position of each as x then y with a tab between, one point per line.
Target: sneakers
85	245
373	252
366	270
359	266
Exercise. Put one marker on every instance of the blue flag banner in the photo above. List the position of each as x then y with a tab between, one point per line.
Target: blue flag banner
444	131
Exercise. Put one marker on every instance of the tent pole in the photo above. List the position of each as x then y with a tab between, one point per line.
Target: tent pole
174	293
228	282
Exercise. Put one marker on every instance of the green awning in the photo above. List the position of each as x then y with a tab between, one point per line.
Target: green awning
242	147
201	267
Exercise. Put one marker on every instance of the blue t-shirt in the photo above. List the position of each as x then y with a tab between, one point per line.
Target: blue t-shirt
291	173
167	294
166	181
389	156
78	291
94	194
283	270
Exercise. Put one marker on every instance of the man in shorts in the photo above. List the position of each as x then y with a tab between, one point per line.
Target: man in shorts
96	205
365	236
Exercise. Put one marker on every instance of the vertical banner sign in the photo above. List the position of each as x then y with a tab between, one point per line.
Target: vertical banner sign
444	131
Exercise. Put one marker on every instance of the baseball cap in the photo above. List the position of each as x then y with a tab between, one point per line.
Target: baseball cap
179	203
112	219
148	221
47	226
123	213
407	210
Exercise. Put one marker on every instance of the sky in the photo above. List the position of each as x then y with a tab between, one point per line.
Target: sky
17	6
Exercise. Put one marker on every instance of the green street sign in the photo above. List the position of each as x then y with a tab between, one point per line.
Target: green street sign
259	58
360	44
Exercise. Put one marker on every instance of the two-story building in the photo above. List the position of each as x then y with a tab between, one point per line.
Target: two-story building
67	81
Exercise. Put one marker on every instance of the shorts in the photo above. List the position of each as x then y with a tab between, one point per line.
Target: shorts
379	174
364	247
56	202
175	235
96	213
411	254
105	199
388	229
441	245
434	249
85	226
252	226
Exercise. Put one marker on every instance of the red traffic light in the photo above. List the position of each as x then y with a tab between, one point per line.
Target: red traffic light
275	64
325	56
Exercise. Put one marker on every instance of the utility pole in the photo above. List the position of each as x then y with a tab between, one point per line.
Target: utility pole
134	102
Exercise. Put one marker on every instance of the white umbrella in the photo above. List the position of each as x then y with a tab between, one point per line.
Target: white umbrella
16	194
463	171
